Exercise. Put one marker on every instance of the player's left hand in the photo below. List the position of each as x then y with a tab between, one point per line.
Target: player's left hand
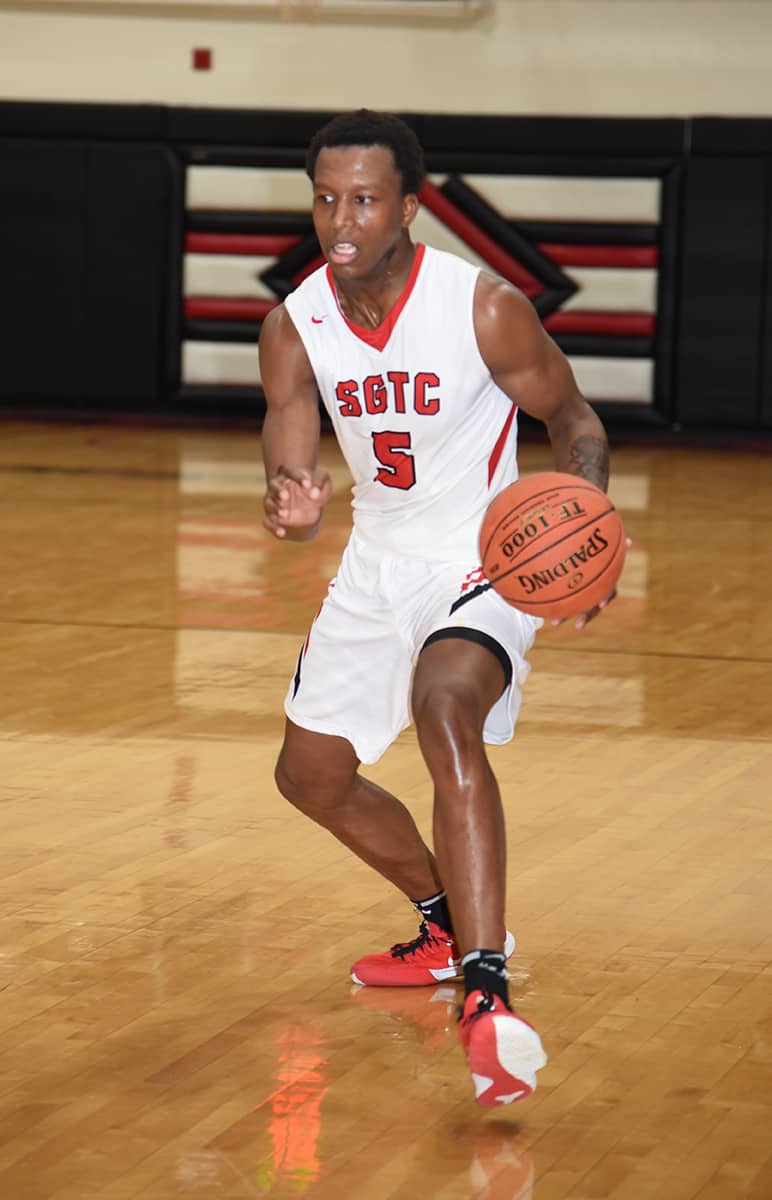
294	501
585	618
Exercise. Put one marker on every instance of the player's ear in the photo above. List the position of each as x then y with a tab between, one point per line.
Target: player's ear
410	207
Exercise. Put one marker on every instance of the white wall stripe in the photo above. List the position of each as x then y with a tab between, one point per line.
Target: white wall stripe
220	363
550	198
612	289
271	188
626	380
226	275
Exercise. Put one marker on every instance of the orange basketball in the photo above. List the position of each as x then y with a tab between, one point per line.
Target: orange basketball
552	545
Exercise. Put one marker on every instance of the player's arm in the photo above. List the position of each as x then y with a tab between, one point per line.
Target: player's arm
296	489
528	366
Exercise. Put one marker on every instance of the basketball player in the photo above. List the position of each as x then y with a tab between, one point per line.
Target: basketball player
421	360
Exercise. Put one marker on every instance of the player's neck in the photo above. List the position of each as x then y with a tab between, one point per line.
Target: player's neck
367	302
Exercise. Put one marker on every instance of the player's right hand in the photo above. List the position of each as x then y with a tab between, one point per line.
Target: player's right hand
294	501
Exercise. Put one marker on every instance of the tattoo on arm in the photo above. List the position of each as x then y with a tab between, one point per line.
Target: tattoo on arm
589	458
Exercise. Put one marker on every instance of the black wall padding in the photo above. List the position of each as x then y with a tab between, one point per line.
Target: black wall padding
667	293
725	219
555	135
766	333
31	118
129	216
90	238
43	255
731	135
248	127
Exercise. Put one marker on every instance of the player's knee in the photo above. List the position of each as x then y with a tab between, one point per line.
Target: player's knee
293	782
305	786
449	728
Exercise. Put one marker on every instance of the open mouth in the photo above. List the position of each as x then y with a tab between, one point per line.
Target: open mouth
343	252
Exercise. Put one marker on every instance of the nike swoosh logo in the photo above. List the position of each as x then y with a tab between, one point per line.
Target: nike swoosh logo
317	320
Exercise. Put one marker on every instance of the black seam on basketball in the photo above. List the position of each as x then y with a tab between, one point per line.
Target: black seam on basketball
539	537
549	600
589	487
577	529
518	505
480	639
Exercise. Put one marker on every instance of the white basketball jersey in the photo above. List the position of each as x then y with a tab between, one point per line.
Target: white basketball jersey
428	436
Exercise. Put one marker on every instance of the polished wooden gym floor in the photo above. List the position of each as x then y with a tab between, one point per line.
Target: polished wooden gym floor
176	1017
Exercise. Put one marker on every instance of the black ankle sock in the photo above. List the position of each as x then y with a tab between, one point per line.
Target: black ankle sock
486	971
435	909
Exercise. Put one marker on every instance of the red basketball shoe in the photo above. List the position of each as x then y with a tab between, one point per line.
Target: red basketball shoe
504	1052
428	959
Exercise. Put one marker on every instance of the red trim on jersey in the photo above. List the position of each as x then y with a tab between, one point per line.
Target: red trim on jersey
378	338
501	442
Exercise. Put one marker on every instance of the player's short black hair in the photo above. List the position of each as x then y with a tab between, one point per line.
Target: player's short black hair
366	128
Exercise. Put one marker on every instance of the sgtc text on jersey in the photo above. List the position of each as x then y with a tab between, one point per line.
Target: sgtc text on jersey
378	395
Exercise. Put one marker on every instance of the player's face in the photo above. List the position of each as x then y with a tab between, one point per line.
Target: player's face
360	215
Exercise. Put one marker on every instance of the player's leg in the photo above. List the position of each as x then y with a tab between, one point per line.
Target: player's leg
319	774
457	683
347	702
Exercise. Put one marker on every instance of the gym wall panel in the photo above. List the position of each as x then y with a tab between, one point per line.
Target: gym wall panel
43	233
718	362
143	247
569	198
130	224
89	297
578	232
766	340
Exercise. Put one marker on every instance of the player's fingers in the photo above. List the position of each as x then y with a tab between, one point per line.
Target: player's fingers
325	487
273	526
276	506
585	618
299	475
276	492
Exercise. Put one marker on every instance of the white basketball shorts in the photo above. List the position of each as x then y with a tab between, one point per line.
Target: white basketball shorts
355	669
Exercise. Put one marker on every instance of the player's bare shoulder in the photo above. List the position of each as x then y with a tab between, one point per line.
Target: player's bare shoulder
284	362
278	330
505	322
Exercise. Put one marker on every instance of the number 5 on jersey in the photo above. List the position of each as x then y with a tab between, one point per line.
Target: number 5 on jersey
397	468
